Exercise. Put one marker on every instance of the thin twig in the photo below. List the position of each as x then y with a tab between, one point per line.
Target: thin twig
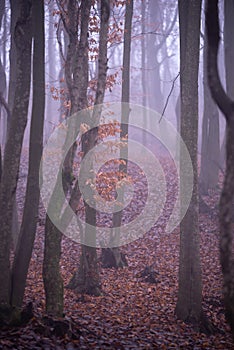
168	97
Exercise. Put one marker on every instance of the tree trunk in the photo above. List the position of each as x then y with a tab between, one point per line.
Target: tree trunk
52	278
117	216
87	279
210	150
143	69
2	90
29	221
189	303
23	41
15	12
155	96
76	73
226	105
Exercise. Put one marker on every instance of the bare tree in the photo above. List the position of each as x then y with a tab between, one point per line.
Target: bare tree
76	73
189	303
210	148
30	214
118	259
87	279
10	170
226	105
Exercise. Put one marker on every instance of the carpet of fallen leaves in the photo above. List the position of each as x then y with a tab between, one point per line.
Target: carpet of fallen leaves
131	313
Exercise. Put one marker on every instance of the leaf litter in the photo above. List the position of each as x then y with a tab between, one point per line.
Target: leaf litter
132	313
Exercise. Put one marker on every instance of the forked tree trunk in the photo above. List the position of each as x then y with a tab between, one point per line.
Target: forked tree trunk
76	72
87	279
29	222
23	41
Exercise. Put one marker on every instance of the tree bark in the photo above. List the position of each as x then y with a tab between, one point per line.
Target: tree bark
23	41
76	73
210	150
87	279
226	105
30	214
117	216
189	303
15	12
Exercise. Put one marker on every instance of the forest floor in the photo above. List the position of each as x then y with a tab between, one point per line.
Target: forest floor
132	313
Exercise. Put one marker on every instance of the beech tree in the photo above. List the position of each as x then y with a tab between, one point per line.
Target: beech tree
189	303
30	213
14	286
11	161
2	89
210	148
76	73
118	259
226	105
88	280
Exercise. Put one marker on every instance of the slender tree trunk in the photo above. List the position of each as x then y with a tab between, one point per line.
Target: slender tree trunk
76	73
2	76
189	303
143	67
87	279
226	105
23	41
29	221
210	150
15	12
154	82
117	257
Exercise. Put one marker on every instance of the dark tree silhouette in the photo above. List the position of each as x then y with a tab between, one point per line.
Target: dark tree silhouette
226	105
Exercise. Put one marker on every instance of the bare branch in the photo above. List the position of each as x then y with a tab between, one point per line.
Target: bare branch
169	95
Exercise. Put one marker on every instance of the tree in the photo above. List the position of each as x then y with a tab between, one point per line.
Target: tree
15	12
226	105
2	87
189	302
76	73
210	149
87	279
29	222
117	257
10	169
154	46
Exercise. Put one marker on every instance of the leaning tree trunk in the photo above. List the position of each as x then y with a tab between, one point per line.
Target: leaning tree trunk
189	303
23	41
226	105
29	221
